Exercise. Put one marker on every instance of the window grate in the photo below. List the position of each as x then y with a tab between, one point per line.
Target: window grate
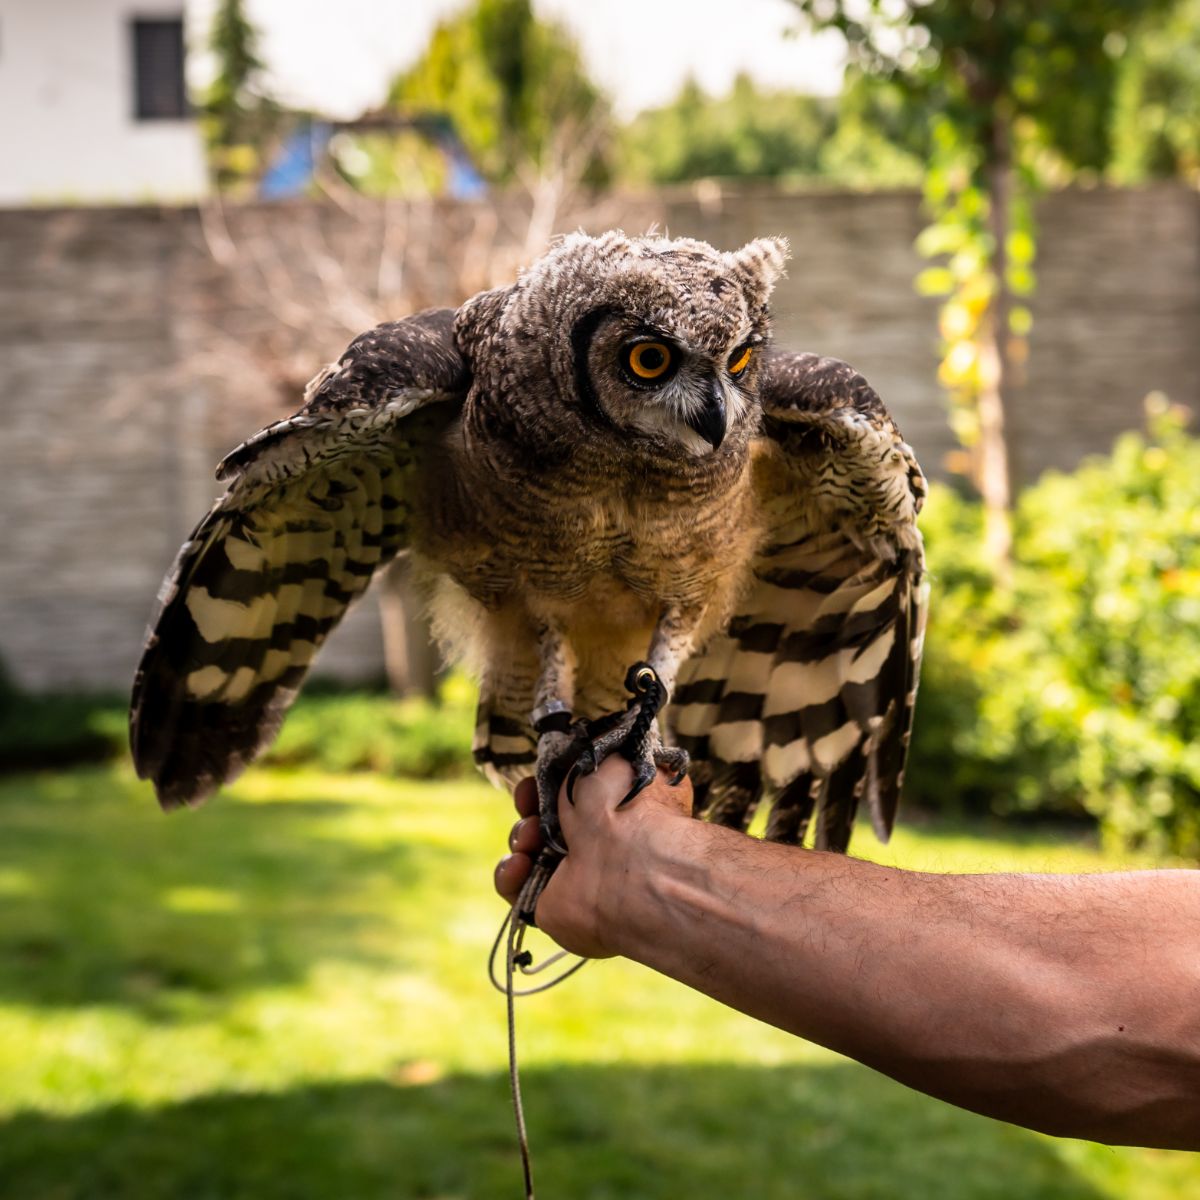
159	91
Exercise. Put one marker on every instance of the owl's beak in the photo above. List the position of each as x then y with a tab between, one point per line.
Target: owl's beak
710	421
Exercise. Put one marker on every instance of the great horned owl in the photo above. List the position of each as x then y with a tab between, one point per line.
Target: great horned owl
606	462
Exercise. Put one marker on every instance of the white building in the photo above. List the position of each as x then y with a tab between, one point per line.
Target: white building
92	103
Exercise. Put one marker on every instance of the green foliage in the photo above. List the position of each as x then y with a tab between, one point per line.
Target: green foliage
330	730
1016	92
237	113
58	729
747	133
1079	689
515	87
1156	121
356	731
862	139
281	996
880	140
1050	61
962	240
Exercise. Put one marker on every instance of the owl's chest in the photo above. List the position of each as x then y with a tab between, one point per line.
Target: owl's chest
563	537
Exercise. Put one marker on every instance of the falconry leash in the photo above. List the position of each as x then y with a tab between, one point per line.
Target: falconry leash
517	958
649	694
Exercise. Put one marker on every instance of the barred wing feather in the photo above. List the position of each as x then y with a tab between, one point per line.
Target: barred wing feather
808	696
315	505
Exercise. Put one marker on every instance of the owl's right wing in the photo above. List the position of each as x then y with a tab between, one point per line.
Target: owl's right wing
315	505
808	695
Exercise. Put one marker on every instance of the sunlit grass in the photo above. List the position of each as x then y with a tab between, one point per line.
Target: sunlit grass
283	995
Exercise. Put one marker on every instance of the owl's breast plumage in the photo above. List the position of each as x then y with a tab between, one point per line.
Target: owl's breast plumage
503	522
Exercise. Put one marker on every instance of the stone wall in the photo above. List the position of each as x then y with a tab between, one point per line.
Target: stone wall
130	366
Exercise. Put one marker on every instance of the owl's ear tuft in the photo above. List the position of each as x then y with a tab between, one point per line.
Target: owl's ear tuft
762	261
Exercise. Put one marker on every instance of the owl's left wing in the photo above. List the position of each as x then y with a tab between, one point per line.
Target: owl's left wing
808	695
315	505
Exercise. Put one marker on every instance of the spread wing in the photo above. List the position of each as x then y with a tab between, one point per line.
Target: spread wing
315	504
808	695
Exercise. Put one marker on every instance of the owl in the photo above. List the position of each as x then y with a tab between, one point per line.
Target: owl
606	463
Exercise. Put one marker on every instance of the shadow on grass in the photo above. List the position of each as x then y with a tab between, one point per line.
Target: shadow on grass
107	901
1021	829
837	1132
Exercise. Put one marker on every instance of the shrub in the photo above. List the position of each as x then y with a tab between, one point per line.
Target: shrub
58	729
1080	689
331	730
357	731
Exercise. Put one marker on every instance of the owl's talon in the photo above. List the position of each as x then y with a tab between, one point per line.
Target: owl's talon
565	756
643	776
551	832
572	775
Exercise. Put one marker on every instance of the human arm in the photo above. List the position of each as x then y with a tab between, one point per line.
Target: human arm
1067	1004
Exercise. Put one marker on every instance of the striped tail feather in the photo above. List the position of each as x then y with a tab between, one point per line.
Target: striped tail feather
505	747
808	697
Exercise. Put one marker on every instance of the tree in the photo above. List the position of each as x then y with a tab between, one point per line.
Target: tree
1156	122
516	90
237	110
864	137
1012	89
750	132
880	140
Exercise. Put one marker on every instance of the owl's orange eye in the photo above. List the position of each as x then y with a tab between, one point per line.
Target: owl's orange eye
739	360
649	360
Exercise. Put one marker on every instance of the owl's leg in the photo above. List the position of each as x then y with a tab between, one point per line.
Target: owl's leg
558	747
635	735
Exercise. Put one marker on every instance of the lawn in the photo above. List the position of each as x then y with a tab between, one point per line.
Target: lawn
283	995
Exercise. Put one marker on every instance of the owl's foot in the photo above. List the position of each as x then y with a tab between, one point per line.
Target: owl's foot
556	754
633	734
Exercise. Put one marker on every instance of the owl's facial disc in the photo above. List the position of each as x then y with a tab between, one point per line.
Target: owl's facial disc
650	362
650	382
680	394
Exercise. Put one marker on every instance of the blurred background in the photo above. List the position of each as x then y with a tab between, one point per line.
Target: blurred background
993	214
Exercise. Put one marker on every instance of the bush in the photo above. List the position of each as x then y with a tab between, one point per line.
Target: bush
58	729
1079	690
331	730
358	731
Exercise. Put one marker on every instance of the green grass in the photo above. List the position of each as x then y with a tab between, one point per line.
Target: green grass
282	996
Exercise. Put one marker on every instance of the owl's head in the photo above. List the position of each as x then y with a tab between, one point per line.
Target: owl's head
653	337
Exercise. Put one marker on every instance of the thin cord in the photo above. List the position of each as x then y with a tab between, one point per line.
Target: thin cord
643	682
516	922
514	1080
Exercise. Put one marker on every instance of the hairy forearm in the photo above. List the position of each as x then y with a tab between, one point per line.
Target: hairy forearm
1069	1004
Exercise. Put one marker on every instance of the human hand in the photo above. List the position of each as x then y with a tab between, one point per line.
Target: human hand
581	906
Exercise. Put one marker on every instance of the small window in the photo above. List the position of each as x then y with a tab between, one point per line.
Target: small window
158	69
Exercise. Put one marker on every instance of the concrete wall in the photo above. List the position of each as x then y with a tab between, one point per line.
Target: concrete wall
67	125
129	368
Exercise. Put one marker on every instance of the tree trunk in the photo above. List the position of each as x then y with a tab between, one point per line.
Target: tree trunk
408	653
995	478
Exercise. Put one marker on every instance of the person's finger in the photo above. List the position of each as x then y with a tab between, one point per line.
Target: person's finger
525	797
526	836
511	872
